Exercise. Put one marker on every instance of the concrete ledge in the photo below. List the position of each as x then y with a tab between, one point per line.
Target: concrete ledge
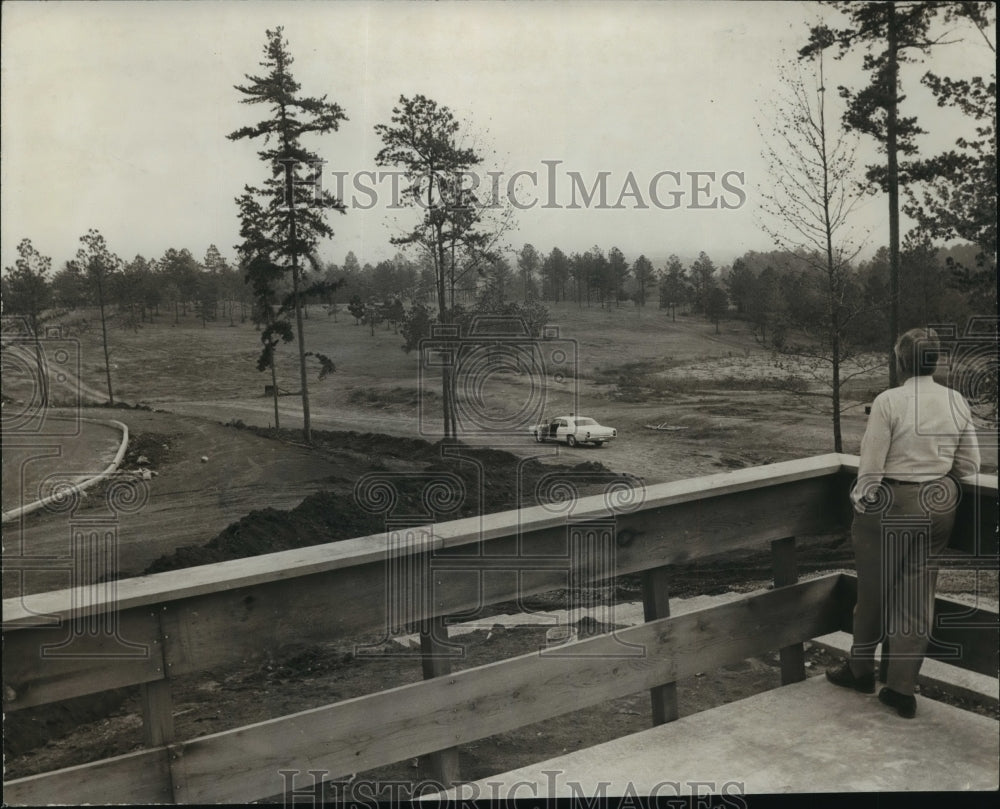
806	737
20	511
950	679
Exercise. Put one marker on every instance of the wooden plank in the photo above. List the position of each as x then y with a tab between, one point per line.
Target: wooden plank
157	713
975	530
656	604
214	629
33	675
964	636
217	628
378	729
137	778
157	703
793	658
231	624
440	766
240	573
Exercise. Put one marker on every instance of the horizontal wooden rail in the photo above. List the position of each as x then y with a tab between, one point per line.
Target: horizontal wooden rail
183	621
300	562
366	732
179	622
975	530
151	629
962	635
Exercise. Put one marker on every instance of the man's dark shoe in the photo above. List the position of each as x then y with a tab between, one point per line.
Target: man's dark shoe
844	677
905	705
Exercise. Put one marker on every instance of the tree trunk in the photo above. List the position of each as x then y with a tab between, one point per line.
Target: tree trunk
104	335
274	393
838	441
297	303
43	378
306	426
833	284
891	149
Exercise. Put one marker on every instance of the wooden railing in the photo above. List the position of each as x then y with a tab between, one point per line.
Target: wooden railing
156	628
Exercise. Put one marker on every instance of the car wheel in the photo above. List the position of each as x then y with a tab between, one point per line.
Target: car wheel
570	441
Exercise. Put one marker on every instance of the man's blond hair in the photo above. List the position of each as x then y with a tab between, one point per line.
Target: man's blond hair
917	352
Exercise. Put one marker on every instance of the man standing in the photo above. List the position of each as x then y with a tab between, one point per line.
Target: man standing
920	439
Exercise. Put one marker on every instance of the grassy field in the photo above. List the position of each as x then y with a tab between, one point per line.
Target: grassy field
163	362
741	404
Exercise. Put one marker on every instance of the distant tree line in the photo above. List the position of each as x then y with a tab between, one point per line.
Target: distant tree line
172	286
774	290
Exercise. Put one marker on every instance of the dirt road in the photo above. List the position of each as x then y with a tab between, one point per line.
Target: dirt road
719	431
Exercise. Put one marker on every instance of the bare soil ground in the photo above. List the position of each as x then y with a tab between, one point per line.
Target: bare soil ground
263	490
87	729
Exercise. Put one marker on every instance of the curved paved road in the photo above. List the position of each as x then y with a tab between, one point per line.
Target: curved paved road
69	450
188	502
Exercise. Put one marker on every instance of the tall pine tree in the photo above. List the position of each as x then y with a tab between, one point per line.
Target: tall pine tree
294	203
422	138
890	33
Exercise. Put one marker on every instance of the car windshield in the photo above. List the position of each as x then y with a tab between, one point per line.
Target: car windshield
585	422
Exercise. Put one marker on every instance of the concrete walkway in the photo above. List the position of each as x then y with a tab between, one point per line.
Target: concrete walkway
806	737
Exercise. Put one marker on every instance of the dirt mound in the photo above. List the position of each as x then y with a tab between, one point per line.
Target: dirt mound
321	517
479	480
370	443
149	450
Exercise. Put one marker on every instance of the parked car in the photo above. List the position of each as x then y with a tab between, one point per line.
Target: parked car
573	430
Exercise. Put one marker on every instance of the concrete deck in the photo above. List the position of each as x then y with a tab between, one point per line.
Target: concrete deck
806	737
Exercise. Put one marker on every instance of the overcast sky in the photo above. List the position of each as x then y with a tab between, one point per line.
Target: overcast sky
115	114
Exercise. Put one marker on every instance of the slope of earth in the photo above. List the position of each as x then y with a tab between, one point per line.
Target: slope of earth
187	500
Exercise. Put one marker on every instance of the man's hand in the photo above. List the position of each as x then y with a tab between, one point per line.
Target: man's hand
865	497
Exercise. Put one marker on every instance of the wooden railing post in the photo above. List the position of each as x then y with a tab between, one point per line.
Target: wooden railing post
157	703
442	765
656	604
157	713
793	658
